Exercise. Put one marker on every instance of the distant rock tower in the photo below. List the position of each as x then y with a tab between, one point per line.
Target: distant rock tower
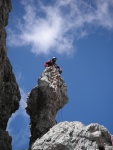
43	102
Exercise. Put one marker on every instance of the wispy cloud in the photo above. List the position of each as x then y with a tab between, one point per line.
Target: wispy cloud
18	125
55	27
21	140
21	111
18	76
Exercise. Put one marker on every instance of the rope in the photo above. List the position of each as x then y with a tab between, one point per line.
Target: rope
56	89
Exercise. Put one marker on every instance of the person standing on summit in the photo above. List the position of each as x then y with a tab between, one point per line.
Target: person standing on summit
52	62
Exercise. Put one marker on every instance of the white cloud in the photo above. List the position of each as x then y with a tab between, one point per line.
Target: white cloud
20	139
18	76
56	26
21	111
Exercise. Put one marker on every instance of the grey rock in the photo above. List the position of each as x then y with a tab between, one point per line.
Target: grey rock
74	136
9	90
5	140
44	101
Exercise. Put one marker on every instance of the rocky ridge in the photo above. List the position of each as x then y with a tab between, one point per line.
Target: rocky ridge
75	136
44	101
9	91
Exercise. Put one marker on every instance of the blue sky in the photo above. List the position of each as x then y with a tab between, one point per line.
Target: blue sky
80	35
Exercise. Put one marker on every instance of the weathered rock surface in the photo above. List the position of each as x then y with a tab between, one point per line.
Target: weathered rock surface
9	91
44	101
74	136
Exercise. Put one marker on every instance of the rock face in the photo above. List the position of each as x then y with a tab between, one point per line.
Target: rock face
9	91
44	101
74	136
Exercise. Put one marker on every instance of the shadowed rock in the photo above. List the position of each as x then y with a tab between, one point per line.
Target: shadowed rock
44	101
9	91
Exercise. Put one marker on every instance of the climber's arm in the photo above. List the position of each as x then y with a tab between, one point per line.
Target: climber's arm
59	69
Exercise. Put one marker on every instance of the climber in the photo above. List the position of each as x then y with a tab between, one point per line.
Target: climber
53	63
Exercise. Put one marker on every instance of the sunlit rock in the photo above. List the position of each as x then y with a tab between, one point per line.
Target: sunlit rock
75	136
44	101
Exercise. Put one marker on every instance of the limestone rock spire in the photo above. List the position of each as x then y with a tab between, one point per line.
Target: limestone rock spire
43	102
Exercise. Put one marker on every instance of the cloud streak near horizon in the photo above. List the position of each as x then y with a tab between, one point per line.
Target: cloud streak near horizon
55	27
21	111
18	125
